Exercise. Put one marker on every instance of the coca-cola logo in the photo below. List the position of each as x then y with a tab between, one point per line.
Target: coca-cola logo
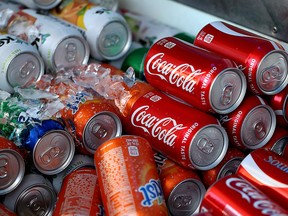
174	74
256	198
163	129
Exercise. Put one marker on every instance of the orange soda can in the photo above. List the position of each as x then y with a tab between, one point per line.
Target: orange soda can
182	188
128	177
79	194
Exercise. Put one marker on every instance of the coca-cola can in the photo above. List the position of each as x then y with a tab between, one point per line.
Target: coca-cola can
234	196
264	62
4	211
268	172
251	125
205	80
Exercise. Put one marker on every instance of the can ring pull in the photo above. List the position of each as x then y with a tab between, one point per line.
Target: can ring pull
227	94
3	168
27	69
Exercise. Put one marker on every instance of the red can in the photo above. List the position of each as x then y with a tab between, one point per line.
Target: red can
234	196
268	172
128	177
279	103
182	133
203	79
79	194
264	62
227	166
251	125
5	211
182	188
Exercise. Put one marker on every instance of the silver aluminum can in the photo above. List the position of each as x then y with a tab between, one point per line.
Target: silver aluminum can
20	63
112	5
53	152
34	196
39	4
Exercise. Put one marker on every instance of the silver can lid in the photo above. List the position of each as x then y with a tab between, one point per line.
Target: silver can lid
34	196
229	168
24	69
114	40
208	147
280	145
53	152
186	197
100	128
70	52
228	90
46	4
12	169
258	127
272	72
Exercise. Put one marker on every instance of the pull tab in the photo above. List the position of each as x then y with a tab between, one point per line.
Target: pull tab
205	144
35	205
50	154
181	201
273	73
3	168
259	130
99	131
27	69
111	40
227	94
71	52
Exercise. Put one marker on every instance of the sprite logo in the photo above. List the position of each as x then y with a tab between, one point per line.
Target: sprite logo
151	192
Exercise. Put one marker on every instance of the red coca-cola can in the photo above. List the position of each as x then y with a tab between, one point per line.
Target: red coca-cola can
234	196
203	79
264	62
268	172
251	125
279	103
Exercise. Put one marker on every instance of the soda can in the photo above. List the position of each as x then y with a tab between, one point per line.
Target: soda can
106	31
251	125
128	177
112	5
208	82
4	211
95	121
39	4
20	65
79	194
34	196
233	196
268	171
187	136
264	62
279	103
51	145
12	166
182	188
227	166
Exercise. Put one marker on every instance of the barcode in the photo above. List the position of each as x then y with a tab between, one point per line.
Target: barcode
169	45
208	38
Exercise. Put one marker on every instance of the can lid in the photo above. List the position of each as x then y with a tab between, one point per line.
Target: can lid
12	169
208	147
272	72
46	4
230	167
280	145
258	127
228	90
100	128
186	197
114	40
24	69
70	52
53	152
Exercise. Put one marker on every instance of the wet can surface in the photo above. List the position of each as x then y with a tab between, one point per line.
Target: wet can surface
268	172
264	62
233	195
128	177
251	125
12	166
20	64
184	134
79	194
208	82
182	188
34	196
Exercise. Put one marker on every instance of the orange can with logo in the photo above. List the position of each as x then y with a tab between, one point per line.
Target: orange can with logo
128	177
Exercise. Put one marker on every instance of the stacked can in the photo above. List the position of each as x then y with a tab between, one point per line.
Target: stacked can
4	211
39	4
106	31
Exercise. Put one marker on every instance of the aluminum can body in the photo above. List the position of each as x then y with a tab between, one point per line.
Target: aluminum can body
184	134
182	188
264	62
268	172
233	195
20	65
251	125
128	177
203	79
79	194
106	31
39	4
112	5
4	211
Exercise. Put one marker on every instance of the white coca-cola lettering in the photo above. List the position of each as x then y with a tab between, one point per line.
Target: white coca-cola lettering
175	73
256	198
163	129
279	165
